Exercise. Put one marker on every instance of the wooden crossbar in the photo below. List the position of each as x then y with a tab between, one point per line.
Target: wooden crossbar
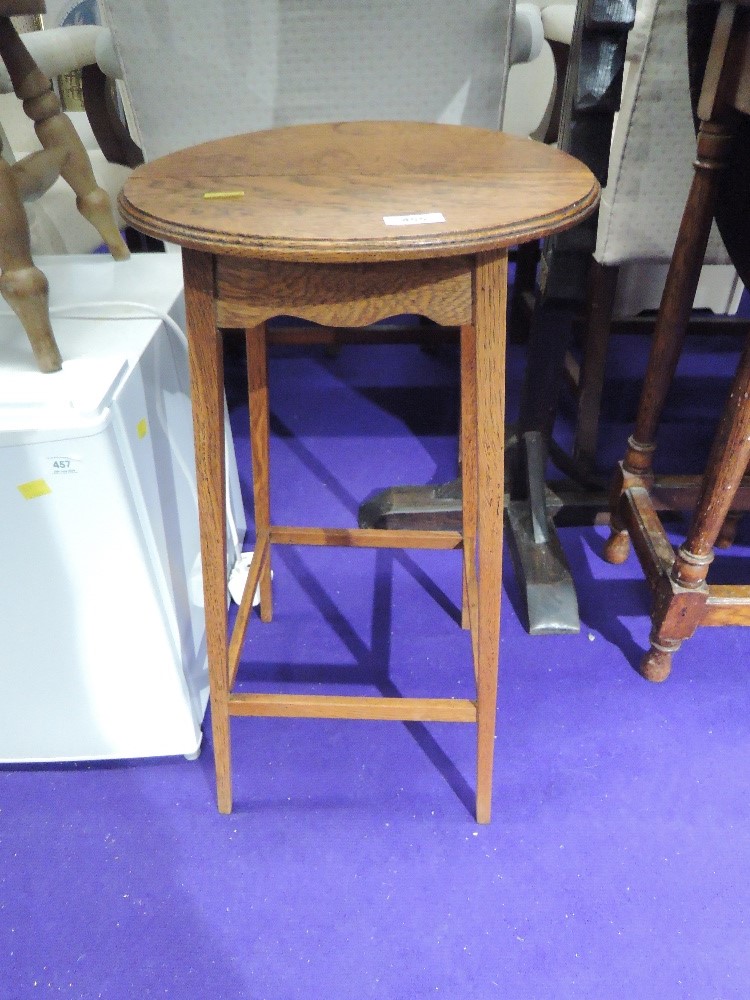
367	538
727	605
305	706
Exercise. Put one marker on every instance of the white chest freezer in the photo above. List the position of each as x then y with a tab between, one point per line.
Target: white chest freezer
102	648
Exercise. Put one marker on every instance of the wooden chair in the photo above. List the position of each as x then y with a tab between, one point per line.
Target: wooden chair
22	284
648	180
199	71
68	55
682	598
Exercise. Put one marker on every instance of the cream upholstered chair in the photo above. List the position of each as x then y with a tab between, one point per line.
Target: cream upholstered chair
534	96
650	172
196	71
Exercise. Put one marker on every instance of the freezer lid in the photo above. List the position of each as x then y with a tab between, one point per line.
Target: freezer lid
81	394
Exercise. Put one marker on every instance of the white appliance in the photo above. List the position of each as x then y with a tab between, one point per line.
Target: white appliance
102	646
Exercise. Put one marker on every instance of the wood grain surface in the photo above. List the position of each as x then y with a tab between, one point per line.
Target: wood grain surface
321	192
249	292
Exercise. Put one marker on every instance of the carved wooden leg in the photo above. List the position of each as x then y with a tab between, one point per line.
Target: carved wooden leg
675	619
677	301
55	130
257	381
207	388
490	294
468	466
22	285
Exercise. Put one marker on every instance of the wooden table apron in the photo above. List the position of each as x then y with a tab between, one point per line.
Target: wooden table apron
307	239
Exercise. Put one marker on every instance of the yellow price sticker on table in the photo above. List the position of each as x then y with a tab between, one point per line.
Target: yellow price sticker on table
224	194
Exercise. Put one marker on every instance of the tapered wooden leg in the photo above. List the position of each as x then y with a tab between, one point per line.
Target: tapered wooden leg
257	381
468	463
674	312
207	387
490	297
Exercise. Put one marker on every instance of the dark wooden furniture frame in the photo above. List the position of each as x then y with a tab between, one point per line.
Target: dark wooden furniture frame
682	598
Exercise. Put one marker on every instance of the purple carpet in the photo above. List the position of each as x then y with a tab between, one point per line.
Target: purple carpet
617	864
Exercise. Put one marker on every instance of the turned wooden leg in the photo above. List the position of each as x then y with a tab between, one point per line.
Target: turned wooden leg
677	618
22	285
468	465
714	140
490	295
55	131
207	389
257	382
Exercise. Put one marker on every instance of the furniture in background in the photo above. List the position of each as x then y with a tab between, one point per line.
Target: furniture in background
682	598
200	71
639	146
55	226
598	32
348	224
23	285
639	215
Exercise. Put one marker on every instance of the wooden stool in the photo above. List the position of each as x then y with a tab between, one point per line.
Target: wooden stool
345	225
682	599
22	284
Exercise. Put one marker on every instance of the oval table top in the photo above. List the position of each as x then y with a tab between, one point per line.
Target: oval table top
359	191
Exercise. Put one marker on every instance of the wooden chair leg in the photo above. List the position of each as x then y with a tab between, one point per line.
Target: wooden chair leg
207	384
598	320
490	298
257	381
468	465
22	284
671	324
727	463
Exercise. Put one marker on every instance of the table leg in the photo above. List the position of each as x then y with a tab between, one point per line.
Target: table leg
468	465
207	387
257	382
490	299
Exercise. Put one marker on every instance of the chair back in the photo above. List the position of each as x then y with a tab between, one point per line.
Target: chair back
653	144
196	70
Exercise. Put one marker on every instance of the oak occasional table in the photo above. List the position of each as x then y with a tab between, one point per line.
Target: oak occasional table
344	225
